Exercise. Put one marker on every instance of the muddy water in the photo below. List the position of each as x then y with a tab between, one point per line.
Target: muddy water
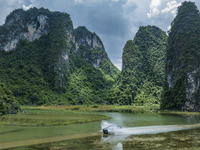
87	136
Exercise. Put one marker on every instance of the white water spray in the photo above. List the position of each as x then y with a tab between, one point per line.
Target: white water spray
118	130
117	134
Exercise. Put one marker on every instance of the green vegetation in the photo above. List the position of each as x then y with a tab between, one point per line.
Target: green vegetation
51	70
47	124
110	108
50	116
187	140
68	66
8	104
140	82
44	116
95	55
42	133
182	65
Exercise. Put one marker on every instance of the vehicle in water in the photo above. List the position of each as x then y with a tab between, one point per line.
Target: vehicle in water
111	129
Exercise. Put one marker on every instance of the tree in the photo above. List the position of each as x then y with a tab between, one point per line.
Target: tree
181	91
8	104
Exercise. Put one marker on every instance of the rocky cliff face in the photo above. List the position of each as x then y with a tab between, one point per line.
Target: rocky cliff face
90	47
183	65
47	44
86	38
86	42
16	29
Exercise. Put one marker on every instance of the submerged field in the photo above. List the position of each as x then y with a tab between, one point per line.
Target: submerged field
75	127
43	116
180	140
43	124
49	116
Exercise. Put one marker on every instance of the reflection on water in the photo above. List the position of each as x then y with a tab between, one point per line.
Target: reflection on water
114	129
116	135
178	140
139	124
139	131
114	140
134	120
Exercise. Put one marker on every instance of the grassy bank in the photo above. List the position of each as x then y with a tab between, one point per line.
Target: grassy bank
179	140
180	113
43	124
49	116
107	108
41	116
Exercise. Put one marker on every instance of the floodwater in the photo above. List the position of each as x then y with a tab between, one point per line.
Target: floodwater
139	131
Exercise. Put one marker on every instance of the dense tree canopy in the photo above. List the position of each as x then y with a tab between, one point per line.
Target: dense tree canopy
183	63
52	70
142	73
8	104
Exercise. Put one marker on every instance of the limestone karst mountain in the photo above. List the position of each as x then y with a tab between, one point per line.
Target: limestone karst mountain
140	81
44	60
182	81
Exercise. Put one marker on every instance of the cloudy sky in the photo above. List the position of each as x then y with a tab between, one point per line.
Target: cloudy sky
115	21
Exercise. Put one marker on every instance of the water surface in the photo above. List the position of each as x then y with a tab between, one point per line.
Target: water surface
11	134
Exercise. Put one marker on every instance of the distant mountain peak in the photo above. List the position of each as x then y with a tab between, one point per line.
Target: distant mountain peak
87	38
20	26
140	82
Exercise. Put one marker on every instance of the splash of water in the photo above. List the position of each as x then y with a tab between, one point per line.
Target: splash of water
118	130
118	134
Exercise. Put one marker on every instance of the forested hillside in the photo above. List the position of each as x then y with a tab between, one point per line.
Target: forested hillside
8	104
45	61
182	74
141	79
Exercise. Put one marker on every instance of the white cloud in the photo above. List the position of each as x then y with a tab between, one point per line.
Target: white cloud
7	6
115	21
158	7
115	0
171	7
169	28
135	13
27	7
162	12
78	1
155	3
154	8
